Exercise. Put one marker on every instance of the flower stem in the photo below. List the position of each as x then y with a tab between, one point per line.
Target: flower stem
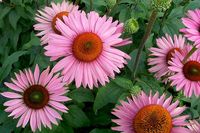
47	2
113	8
77	2
91	5
143	41
189	54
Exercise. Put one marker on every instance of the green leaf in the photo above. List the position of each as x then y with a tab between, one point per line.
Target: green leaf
108	94
7	65
4	12
96	130
76	117
13	18
81	95
141	67
34	41
123	82
124	15
173	23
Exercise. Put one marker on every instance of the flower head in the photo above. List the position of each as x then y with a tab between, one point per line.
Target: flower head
87	48
161	56
194	126
192	26
152	114
47	18
36	98
186	74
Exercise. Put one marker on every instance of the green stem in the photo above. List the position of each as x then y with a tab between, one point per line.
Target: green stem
91	5
143	41
77	2
113	8
47	2
189	54
36	3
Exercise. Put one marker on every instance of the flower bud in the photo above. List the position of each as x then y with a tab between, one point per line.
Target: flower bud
135	90
131	26
161	5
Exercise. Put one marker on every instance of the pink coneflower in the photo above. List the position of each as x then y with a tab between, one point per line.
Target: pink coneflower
36	98
48	16
187	74
194	126
163	54
192	23
150	114
87	46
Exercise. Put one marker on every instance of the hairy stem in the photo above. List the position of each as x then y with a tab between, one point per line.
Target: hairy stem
113	8
77	2
189	54
47	2
143	41
91	5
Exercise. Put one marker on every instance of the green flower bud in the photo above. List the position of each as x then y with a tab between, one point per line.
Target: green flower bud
131	26
161	5
111	3
135	90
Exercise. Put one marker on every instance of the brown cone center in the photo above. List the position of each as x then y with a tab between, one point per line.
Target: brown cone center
36	97
87	47
58	16
191	70
170	54
152	119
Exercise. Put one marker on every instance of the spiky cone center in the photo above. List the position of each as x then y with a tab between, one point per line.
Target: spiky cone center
152	119
191	70
87	47
55	18
36	97
169	55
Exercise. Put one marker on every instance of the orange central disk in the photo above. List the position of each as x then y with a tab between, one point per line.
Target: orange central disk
191	70
152	119
170	54
87	47
58	16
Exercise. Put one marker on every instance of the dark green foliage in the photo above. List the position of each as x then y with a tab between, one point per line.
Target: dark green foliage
90	110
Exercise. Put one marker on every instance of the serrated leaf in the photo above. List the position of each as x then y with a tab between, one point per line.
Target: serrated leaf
13	18
4	12
7	65
141	63
76	117
96	130
81	95
107	94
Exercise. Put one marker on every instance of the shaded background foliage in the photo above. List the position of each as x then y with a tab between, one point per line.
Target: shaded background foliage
89	111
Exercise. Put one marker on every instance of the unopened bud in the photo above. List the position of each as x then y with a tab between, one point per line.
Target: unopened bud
131	26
